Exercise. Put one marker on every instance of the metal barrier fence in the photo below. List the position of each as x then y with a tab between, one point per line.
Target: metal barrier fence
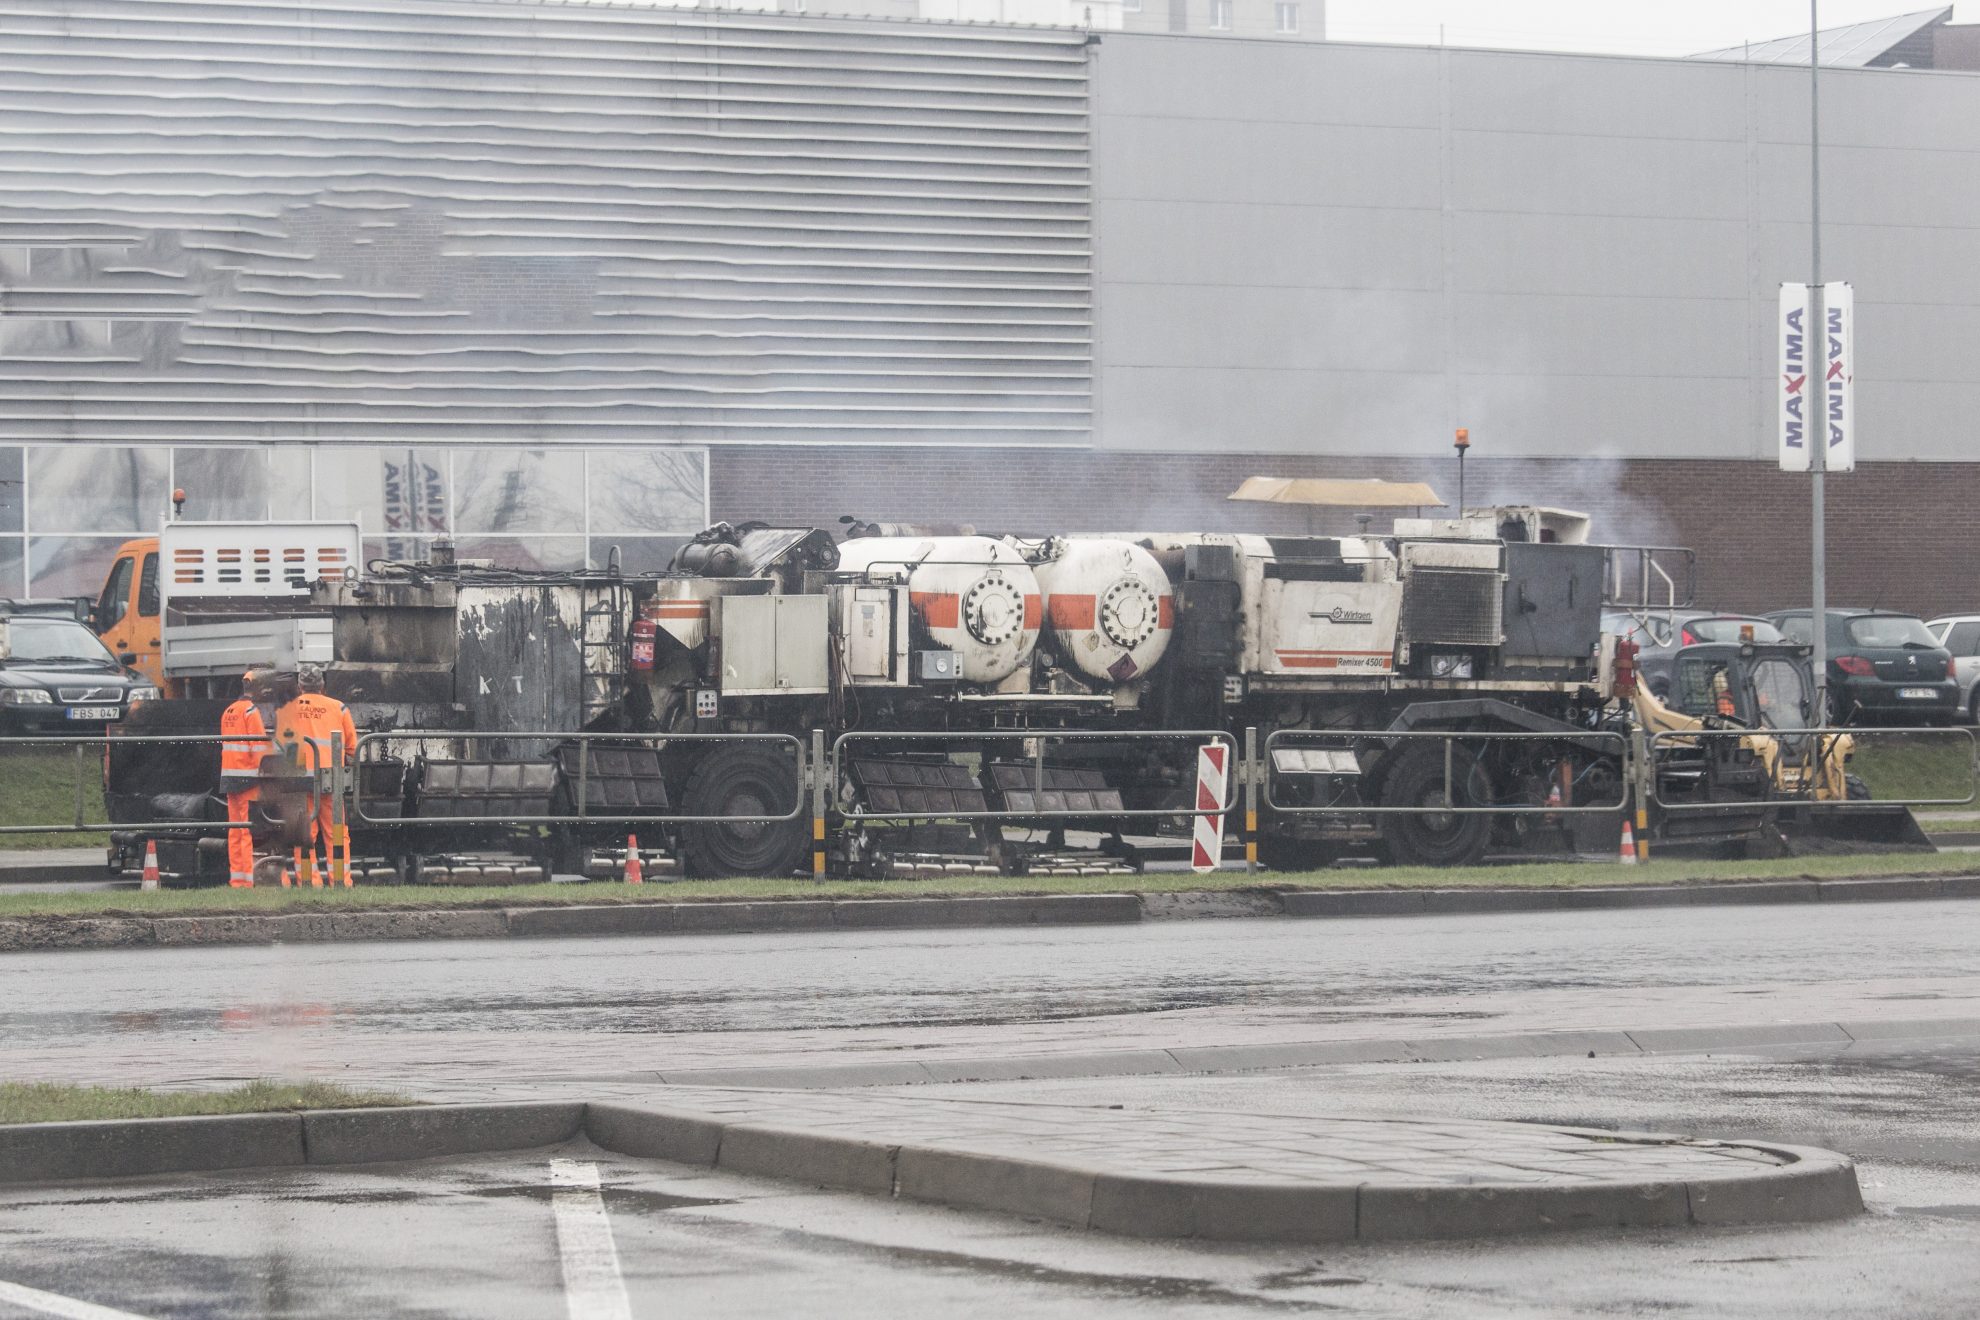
581	813
1815	756
87	762
1601	742
1194	738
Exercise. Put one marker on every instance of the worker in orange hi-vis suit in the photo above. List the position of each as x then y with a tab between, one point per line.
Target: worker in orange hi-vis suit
243	742
318	718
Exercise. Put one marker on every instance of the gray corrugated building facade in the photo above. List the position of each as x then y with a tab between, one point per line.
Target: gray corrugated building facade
550	278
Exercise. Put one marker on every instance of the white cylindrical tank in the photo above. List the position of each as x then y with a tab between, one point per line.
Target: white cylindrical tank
969	594
1109	606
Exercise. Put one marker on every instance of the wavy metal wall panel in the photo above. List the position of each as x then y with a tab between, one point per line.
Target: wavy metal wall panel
418	221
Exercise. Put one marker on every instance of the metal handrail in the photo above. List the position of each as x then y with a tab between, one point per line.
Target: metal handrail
102	742
582	817
1823	741
1583	736
1196	736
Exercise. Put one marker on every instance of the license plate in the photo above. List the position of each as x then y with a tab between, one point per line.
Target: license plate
1917	694
92	712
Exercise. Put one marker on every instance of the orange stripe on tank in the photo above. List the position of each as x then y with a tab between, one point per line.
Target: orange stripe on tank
1072	611
1034	610
1165	612
938	609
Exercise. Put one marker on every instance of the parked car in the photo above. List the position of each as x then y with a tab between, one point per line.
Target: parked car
56	676
1884	667
1660	634
1960	635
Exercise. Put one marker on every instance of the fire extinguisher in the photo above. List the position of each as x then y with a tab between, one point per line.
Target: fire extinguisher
643	633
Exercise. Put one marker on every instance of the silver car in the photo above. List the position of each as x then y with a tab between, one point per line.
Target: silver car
1960	634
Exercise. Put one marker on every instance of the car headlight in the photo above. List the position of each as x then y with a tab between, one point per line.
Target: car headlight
25	696
138	694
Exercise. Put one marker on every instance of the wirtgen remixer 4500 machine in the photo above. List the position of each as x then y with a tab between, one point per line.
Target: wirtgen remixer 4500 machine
994	702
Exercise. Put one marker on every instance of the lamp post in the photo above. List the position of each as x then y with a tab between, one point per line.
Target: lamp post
1818	335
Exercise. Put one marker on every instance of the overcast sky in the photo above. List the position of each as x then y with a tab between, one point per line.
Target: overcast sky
1623	27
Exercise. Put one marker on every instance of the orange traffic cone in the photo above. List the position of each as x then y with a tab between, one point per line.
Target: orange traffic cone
150	878
634	874
1628	854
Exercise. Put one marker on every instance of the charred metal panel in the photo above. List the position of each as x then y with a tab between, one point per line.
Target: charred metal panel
520	663
1553	601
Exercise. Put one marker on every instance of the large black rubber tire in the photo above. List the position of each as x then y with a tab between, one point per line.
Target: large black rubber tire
1858	790
743	780
1435	838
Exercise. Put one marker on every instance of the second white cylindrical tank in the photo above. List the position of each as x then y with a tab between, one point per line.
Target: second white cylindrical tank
1109	606
969	594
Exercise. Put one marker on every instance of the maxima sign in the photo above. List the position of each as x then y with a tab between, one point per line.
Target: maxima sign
1794	389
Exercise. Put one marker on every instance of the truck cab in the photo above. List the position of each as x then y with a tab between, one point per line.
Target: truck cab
201	600
128	614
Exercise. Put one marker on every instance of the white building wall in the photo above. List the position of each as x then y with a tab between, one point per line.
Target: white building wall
1346	249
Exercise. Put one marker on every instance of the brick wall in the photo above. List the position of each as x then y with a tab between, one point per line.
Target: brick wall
1901	535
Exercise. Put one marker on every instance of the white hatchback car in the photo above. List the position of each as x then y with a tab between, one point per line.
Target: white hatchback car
1960	634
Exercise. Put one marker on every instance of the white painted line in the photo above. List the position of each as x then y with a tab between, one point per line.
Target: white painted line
48	1303
593	1286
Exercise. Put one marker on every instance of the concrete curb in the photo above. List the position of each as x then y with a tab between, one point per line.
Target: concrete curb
1812	1185
1308	1054
132	1148
35	934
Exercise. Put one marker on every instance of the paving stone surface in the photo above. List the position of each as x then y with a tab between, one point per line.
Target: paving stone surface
1230	1147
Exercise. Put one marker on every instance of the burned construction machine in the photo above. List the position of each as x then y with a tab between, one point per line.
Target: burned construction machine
989	697
1341	646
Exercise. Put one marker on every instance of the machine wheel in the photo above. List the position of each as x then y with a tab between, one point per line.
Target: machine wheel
744	780
1856	789
1280	853
1435	838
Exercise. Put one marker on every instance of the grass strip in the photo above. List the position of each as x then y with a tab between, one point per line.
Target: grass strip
38	787
1923	766
60	1102
216	902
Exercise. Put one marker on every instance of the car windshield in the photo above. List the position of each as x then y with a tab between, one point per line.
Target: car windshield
50	640
1728	630
1889	630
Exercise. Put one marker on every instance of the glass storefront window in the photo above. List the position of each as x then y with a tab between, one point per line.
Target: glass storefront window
647	490
561	508
70	565
558	552
637	554
97	488
518	490
13	567
399	493
228	484
11	493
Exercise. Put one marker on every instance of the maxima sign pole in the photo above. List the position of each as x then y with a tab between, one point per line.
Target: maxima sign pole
1817	432
1816	402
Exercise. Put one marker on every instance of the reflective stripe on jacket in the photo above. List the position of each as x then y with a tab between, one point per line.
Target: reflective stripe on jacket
243	739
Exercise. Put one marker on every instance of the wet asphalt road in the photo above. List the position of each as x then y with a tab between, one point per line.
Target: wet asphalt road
475	1238
452	1017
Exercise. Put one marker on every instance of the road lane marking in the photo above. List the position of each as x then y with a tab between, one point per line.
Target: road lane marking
48	1303
593	1287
